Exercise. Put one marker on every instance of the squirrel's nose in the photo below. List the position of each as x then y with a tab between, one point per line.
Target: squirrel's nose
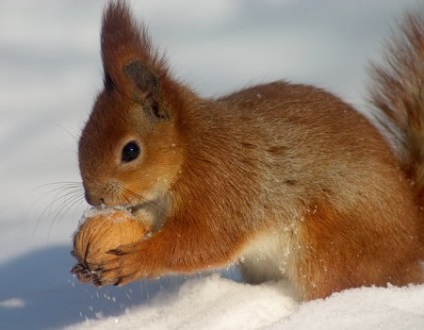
94	200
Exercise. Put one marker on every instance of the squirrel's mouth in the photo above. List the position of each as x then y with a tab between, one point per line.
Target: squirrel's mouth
134	209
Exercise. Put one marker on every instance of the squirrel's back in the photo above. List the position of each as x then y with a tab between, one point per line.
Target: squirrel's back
337	183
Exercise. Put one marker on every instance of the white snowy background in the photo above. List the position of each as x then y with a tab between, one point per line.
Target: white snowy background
49	73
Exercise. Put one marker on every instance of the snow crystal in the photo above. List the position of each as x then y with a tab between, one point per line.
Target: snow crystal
12	303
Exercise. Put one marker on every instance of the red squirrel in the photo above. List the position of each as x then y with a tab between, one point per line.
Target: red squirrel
285	180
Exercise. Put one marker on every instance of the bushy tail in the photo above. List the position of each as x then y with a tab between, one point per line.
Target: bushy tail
398	94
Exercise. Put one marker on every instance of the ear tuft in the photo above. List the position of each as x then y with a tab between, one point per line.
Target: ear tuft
130	63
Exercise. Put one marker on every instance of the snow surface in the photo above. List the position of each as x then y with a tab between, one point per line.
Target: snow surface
49	72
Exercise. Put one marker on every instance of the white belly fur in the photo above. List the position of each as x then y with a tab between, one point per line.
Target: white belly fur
266	257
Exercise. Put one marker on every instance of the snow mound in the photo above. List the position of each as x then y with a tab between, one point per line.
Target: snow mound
207	303
218	303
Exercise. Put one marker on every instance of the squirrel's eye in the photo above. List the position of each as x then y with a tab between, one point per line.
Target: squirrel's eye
130	152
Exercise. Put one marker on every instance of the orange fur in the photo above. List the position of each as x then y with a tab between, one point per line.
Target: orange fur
286	180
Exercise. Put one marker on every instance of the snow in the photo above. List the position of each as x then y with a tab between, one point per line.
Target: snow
204	303
217	303
50	71
12	303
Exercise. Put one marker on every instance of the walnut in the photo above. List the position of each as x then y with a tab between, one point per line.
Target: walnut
100	232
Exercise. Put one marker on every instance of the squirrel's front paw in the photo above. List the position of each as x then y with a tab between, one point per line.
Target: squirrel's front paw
124	264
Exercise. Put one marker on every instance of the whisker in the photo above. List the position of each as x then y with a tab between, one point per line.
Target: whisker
57	186
63	128
66	195
70	199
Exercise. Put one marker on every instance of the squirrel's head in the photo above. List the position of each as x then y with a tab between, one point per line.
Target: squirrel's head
130	150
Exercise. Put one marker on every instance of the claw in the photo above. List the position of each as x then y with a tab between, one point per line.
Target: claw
116	252
77	269
84	277
118	281
96	281
77	256
98	269
81	273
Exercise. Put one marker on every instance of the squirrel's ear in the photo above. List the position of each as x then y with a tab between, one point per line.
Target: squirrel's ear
142	77
130	63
